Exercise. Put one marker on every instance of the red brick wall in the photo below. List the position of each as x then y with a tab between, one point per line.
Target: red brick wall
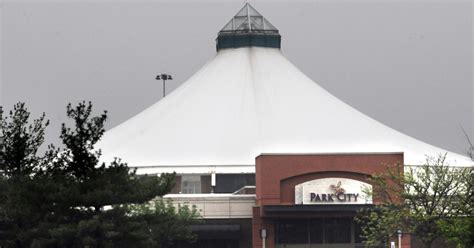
257	224
276	177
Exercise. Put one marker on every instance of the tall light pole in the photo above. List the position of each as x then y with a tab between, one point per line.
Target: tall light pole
164	77
399	234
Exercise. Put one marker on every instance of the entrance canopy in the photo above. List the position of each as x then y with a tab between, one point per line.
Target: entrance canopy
278	210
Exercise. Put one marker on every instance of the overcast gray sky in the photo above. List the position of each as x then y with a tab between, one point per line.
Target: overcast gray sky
407	64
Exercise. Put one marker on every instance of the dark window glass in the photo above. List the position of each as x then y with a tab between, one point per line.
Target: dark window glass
316	231
293	232
358	233
229	183
337	230
205	184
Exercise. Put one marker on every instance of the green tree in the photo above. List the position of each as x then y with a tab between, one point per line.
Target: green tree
67	198
470	149
20	142
428	201
159	214
22	194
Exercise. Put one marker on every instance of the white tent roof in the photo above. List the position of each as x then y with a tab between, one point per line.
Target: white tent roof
245	102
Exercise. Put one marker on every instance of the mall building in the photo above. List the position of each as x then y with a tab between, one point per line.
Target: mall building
269	157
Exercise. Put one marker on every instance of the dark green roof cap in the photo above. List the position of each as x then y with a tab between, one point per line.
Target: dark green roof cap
248	28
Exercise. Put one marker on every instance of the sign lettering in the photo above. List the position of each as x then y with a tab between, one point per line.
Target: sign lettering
333	191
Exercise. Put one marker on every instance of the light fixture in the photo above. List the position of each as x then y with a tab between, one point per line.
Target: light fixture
164	77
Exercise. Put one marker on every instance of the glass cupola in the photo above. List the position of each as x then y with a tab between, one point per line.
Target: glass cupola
248	28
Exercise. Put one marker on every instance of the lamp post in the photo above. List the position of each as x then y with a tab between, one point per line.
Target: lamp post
399	233
263	235
164	77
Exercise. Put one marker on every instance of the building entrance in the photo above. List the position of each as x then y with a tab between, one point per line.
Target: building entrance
318	233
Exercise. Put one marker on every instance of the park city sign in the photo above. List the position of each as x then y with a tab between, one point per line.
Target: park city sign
338	195
333	191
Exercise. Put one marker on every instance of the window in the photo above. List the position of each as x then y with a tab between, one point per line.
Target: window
293	232
190	184
337	230
229	183
315	231
358	233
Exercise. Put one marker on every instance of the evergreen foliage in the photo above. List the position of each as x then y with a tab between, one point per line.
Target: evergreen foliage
66	198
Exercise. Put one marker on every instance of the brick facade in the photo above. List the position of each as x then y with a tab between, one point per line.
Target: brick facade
277	175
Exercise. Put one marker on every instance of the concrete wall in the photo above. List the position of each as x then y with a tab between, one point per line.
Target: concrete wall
217	206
